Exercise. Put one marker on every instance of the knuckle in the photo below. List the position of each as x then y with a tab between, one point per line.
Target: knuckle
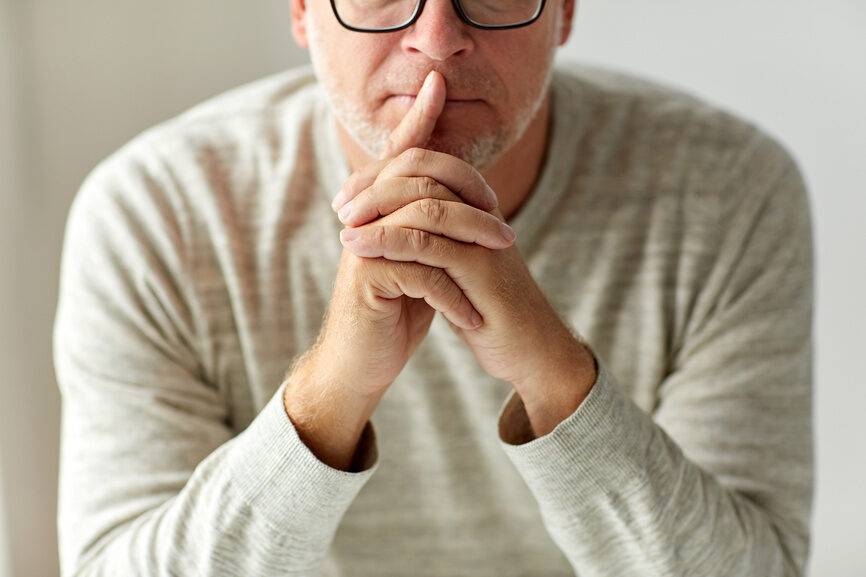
414	156
413	273
419	240
426	186
438	283
406	154
433	210
411	277
393	271
379	235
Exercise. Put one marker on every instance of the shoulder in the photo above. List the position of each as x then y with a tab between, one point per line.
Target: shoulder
661	135
229	120
233	121
212	145
644	100
147	192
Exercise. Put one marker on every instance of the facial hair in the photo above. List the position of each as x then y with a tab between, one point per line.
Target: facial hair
481	150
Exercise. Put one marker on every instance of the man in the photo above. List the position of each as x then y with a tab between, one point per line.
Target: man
624	389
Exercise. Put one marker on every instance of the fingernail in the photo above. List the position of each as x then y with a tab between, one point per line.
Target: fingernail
507	232
349	233
338	200
344	212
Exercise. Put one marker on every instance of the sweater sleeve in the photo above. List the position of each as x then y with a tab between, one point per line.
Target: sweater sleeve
152	479
718	480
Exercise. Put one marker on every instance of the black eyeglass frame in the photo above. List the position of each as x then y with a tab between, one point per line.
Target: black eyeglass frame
457	8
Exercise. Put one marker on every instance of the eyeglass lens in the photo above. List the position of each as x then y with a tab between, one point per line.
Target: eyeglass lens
379	14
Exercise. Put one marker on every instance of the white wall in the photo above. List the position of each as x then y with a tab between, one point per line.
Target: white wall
798	68
5	562
9	199
86	76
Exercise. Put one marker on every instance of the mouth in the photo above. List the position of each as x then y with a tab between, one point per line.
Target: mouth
409	99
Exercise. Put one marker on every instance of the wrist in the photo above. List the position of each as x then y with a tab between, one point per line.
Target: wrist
556	389
328	415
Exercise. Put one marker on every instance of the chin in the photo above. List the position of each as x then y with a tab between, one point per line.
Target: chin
481	151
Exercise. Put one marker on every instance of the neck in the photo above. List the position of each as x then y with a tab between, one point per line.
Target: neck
514	174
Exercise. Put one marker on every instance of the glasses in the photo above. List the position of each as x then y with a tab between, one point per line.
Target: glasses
391	15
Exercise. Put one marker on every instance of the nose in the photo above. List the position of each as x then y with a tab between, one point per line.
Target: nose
438	32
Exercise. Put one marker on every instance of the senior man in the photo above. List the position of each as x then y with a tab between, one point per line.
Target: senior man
255	380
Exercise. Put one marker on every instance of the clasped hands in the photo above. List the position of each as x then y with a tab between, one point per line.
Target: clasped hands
433	208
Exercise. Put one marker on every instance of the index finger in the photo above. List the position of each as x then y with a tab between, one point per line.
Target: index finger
414	129
417	125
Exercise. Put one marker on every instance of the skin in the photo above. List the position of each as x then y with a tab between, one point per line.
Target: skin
504	136
422	233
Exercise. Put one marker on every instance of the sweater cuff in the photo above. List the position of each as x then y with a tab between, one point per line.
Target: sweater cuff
283	480
595	448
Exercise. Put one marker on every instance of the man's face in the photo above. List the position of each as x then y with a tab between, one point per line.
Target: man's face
503	73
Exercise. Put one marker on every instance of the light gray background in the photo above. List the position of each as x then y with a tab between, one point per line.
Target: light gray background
77	79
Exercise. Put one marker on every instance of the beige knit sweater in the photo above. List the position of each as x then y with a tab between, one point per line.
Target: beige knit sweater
675	237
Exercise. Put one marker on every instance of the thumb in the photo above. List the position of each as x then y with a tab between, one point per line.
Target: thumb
417	125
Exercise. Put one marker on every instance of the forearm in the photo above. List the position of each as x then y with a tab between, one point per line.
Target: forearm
261	503
620	497
206	522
